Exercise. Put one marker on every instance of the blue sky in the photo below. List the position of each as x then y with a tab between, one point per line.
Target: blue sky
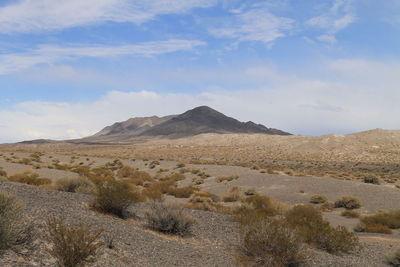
68	68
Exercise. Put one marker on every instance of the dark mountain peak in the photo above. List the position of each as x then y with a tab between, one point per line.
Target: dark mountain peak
203	114
202	109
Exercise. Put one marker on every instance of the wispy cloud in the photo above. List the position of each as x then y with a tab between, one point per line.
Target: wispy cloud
28	16
254	24
336	18
48	54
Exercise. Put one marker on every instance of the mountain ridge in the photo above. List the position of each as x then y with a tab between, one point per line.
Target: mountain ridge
199	120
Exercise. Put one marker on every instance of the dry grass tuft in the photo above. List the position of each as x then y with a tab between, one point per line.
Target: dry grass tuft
168	219
318	199
350	214
381	222
14	228
73	245
29	177
394	258
269	242
75	185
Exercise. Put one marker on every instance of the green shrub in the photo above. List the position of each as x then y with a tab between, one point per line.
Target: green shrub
29	177
269	242
371	180
73	245
168	219
348	202
75	185
394	258
318	199
315	231
14	229
114	197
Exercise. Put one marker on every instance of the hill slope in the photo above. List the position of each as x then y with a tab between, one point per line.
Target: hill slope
133	126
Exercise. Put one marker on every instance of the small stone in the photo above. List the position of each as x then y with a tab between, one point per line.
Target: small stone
21	260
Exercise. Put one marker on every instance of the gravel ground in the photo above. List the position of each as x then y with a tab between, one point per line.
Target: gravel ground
211	244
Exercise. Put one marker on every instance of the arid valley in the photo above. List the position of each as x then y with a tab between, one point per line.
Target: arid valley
214	177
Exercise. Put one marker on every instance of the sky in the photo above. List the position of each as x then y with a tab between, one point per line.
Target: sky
312	67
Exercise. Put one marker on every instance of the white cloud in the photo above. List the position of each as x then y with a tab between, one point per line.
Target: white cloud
336	18
298	105
49	54
327	38
28	16
256	24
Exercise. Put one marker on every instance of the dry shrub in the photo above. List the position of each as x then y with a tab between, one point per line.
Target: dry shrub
221	179
162	186
115	197
233	196
258	207
371	179
14	228
209	206
29	177
129	172
175	177
115	165
327	207
318	199
183	192
75	185
3	173
314	230
350	214
348	202
99	176
73	245
269	242
373	228
180	165
250	192
198	181
390	219
394	258
62	167
81	170
168	219
202	197
152	193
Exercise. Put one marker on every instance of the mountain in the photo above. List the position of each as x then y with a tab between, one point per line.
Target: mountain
193	122
206	120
